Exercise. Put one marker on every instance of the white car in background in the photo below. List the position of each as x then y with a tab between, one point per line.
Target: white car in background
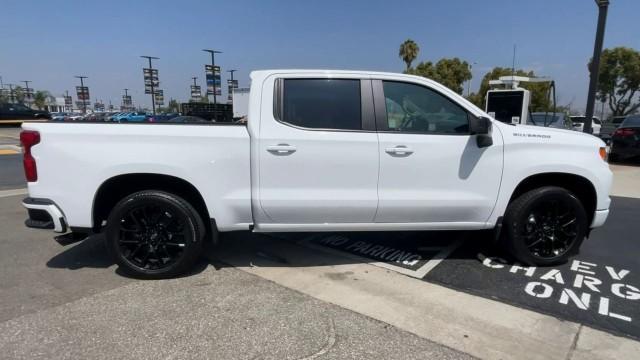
578	124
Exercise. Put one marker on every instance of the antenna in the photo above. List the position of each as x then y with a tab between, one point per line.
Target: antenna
513	62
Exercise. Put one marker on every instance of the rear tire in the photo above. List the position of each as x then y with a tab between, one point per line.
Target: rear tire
545	226
154	235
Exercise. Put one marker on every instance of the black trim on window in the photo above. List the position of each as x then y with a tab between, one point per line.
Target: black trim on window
366	105
367	113
381	108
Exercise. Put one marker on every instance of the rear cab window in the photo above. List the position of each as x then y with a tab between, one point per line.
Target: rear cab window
321	103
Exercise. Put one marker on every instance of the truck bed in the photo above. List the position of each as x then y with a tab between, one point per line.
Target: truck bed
74	160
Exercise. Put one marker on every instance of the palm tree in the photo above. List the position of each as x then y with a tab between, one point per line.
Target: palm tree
408	52
40	99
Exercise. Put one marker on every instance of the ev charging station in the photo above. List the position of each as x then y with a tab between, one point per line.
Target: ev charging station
510	104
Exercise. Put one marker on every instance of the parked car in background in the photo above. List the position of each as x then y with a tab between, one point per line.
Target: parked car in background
550	119
625	140
59	116
578	124
97	116
16	113
75	116
162	117
131	117
608	127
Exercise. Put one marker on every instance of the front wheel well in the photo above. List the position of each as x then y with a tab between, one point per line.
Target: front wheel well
116	188
580	186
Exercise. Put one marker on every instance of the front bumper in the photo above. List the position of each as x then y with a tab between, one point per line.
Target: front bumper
599	217
44	214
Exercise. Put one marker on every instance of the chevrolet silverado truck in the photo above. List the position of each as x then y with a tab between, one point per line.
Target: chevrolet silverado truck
321	151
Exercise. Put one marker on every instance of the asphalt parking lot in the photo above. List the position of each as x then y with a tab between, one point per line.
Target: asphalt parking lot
347	295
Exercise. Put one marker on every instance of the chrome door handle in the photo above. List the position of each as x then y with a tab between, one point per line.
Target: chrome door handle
281	149
399	150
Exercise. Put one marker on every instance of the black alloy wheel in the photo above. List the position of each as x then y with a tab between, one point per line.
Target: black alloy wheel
550	229
545	226
154	234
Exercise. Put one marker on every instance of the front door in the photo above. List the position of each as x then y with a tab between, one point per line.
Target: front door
318	161
431	169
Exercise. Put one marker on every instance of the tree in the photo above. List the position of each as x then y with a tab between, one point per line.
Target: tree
40	99
408	52
619	80
451	73
539	91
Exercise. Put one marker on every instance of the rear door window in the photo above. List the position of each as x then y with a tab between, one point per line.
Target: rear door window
322	103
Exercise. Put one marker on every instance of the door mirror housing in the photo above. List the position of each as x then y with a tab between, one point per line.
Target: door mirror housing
481	127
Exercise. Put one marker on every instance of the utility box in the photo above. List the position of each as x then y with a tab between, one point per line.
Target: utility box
240	98
509	106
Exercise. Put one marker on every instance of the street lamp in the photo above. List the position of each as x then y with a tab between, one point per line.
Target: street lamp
594	69
153	93
213	66
84	102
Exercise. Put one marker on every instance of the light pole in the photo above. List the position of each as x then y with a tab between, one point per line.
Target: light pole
230	88
594	68
153	93
84	102
11	93
27	93
213	66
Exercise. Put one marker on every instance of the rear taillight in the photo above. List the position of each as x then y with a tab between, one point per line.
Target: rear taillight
29	138
624	132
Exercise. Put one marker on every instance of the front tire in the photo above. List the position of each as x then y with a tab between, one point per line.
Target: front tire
154	235
545	226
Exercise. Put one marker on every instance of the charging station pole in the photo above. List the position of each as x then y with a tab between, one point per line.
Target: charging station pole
594	68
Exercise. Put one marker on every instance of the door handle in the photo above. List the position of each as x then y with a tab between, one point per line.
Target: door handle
281	149
399	150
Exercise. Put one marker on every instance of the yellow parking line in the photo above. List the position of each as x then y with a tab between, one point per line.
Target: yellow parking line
8	152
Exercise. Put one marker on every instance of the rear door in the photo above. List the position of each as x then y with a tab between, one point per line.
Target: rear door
431	168
318	151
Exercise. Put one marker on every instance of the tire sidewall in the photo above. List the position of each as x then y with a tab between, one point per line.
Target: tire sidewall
193	243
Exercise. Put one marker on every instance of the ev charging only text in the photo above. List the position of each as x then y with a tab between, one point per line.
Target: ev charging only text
587	286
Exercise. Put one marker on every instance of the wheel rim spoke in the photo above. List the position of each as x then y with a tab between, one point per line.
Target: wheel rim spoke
550	229
152	236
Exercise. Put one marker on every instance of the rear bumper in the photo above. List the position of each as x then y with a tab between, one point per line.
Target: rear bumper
44	214
599	217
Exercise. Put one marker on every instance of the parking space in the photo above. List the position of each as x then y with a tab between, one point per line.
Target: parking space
599	287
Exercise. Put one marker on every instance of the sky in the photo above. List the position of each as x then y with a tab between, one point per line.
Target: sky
48	42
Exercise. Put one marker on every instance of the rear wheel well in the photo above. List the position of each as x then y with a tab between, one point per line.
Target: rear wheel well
581	187
118	187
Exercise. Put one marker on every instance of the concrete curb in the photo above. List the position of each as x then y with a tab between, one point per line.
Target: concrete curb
480	327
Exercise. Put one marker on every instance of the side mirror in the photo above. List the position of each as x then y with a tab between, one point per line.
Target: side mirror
481	127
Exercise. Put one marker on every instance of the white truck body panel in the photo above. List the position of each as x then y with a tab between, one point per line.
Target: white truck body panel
277	177
75	159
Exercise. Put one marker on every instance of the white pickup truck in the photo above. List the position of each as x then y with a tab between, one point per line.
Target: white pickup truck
322	151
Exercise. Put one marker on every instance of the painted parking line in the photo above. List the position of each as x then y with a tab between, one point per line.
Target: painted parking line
8	152
387	250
